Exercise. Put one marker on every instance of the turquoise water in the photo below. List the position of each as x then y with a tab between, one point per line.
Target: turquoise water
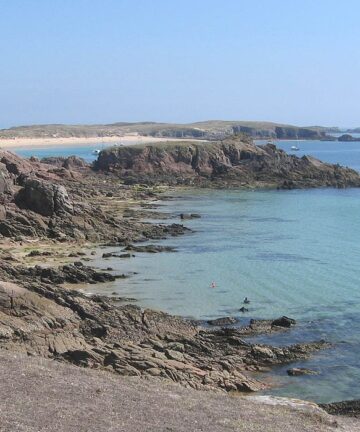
292	253
84	152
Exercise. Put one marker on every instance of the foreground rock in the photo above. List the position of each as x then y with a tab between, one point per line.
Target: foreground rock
39	317
95	401
64	200
232	162
44	198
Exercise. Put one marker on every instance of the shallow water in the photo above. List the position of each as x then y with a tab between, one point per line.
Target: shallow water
85	152
291	252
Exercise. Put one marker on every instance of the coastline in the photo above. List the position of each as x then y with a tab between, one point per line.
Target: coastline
101	333
183	357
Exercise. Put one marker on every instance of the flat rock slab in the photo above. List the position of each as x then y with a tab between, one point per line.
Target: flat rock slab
42	395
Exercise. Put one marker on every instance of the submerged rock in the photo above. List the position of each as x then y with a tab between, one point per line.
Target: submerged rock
301	371
189	216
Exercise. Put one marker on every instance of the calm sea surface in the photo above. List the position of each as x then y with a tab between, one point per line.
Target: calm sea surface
294	253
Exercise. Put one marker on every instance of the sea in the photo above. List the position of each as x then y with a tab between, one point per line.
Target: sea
293	253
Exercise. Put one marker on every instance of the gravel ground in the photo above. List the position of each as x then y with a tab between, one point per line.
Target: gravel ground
38	395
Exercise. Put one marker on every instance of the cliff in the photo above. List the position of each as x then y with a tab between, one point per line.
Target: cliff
229	163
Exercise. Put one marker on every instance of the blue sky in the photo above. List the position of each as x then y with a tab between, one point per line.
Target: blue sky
101	61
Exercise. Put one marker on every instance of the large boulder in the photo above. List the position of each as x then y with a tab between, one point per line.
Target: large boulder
15	164
44	198
5	180
283	321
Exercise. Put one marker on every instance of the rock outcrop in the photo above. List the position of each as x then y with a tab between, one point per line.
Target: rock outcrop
38	317
235	162
63	199
44	198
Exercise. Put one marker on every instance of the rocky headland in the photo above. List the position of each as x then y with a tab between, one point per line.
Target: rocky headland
234	162
53	213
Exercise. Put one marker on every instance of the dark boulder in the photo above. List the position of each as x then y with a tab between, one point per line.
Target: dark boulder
222	321
184	216
283	321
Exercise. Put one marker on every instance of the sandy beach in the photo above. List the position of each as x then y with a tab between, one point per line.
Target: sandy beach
18	143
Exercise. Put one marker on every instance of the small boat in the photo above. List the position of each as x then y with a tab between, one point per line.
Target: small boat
96	152
294	148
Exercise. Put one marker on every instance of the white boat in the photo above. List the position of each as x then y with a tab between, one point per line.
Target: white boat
96	152
294	148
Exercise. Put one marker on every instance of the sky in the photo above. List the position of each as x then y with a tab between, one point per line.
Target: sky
103	61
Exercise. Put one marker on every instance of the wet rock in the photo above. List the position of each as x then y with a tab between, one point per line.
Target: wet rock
283	321
150	248
185	216
225	321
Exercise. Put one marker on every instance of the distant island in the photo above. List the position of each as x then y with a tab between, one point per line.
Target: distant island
348	138
206	130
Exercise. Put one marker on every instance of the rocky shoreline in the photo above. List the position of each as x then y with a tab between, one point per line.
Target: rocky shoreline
52	213
234	162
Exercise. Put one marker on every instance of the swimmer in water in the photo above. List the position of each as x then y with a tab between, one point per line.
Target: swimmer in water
246	300
213	284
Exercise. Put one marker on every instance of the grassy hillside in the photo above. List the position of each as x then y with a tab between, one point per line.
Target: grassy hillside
212	129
